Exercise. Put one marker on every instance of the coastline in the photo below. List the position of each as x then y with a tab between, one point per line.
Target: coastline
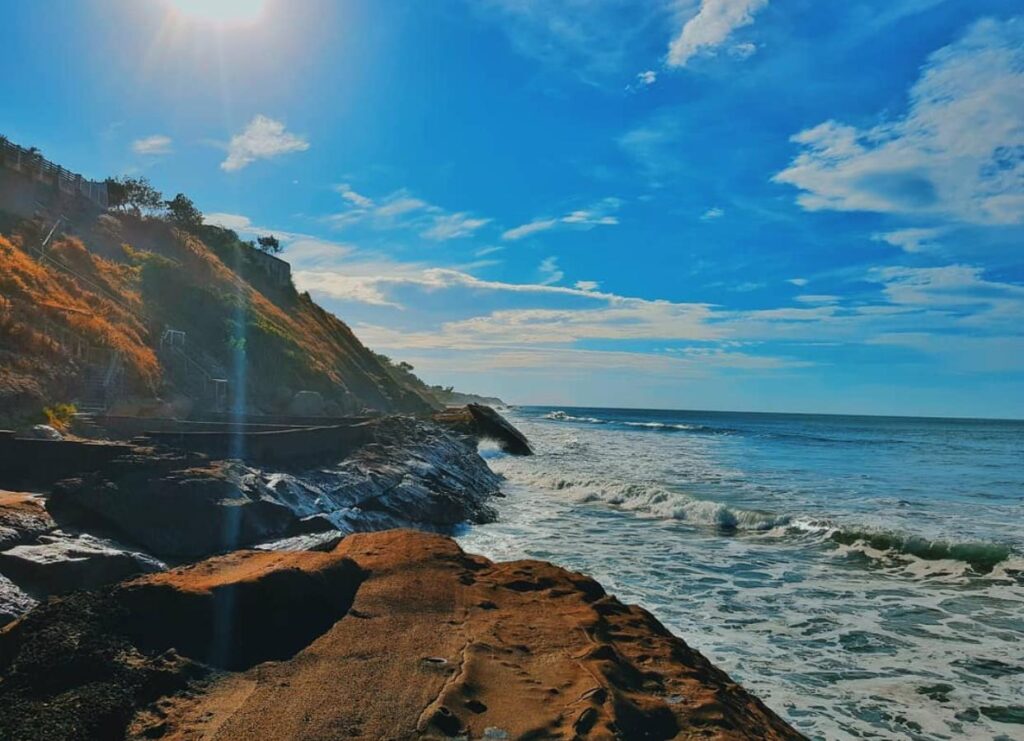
141	516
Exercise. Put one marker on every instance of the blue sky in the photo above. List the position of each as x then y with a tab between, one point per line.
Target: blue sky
806	205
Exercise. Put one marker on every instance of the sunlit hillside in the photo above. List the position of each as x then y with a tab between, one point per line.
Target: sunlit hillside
99	305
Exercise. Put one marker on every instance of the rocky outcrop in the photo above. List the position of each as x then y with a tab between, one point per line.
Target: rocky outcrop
391	635
61	563
483	423
413	474
22	519
37	559
186	513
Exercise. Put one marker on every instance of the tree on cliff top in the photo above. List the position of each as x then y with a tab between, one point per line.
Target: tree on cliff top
133	194
269	244
182	212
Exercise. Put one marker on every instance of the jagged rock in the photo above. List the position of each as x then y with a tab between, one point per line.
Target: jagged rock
400	635
44	432
13	601
60	563
483	423
22	519
183	513
415	474
306	404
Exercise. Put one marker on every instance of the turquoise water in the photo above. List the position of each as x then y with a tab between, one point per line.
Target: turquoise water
863	575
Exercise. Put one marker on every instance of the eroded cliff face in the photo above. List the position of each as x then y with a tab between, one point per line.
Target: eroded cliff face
397	634
113	283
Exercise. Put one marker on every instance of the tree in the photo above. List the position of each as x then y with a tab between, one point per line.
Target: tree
133	194
269	244
183	213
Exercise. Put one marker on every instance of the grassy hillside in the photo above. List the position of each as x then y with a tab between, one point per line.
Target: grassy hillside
122	280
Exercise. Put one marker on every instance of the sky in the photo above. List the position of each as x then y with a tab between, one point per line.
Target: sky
799	205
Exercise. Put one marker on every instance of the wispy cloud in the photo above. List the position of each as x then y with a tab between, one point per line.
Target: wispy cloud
956	153
600	213
711	27
346	192
152	145
594	40
550	272
453	226
529	229
262	138
911	240
713	213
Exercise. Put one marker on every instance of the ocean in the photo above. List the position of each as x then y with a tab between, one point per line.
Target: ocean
864	576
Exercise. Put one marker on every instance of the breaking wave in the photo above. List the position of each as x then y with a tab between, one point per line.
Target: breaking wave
656	501
560	416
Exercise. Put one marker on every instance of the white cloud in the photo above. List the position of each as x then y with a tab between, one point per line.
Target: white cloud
743	51
356	199
597	214
713	24
396	205
910	240
712	213
261	139
453	226
798	281
484	251
228	221
587	285
152	145
647	77
530	228
550	271
958	152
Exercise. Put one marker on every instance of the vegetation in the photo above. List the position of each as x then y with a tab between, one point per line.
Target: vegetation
136	195
60	416
182	212
269	244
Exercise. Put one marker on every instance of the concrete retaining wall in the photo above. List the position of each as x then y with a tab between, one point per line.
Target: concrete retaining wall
282	447
35	465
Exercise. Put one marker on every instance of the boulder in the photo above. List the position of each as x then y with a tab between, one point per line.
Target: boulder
61	563
183	513
483	423
14	602
45	432
22	519
306	404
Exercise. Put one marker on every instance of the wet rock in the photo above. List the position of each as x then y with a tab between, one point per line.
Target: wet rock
59	563
483	423
181	513
22	519
415	474
14	602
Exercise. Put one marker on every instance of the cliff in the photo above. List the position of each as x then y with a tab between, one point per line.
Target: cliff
391	635
95	305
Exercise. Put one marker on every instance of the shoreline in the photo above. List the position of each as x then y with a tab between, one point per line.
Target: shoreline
143	513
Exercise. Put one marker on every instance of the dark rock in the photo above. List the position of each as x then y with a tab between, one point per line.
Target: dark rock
14	602
306	404
183	513
22	519
483	423
60	563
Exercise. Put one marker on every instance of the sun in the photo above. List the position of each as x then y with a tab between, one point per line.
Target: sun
221	11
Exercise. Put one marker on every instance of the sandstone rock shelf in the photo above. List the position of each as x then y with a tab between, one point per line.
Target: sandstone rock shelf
397	634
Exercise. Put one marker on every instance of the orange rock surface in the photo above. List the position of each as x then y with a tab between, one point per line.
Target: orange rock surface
437	643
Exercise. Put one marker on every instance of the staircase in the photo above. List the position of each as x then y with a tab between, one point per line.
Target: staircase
193	371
